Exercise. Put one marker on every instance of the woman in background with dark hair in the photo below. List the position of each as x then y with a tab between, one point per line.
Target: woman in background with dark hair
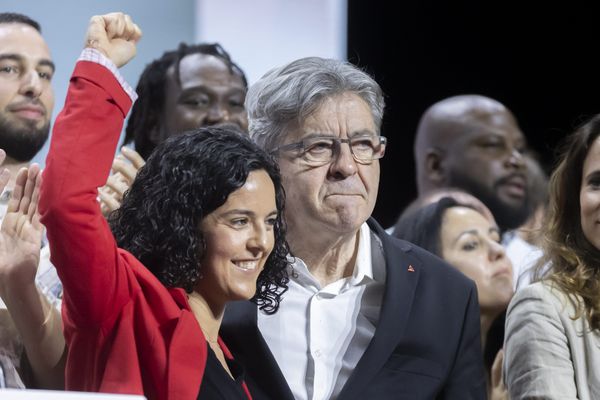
200	226
468	240
553	326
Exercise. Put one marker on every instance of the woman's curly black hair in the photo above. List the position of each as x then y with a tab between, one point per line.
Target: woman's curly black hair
186	178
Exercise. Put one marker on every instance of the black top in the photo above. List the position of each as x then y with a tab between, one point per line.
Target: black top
216	382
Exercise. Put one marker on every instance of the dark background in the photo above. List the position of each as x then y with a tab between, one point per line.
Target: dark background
541	63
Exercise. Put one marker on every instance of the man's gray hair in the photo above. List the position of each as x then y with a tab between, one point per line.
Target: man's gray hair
285	96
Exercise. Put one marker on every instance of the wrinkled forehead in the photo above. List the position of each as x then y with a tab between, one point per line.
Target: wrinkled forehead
198	69
499	122
341	115
456	134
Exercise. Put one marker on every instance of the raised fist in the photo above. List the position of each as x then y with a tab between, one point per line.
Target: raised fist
114	35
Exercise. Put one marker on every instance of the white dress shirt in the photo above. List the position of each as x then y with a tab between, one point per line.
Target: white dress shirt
523	257
319	334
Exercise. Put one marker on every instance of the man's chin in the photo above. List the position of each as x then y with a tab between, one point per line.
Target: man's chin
349	219
510	216
22	140
512	202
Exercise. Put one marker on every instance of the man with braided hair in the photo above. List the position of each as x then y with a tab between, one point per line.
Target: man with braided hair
190	87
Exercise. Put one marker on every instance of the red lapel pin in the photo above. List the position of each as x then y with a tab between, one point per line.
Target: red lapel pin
411	269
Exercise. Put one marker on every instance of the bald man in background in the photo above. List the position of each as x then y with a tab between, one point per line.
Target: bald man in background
474	143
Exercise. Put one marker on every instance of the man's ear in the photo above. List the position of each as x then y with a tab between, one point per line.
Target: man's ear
434	165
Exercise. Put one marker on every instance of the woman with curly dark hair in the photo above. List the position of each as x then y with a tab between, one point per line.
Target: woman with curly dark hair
200	226
552	340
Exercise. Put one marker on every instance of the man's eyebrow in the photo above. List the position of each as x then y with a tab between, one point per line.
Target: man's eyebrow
19	58
47	63
11	56
207	88
359	133
363	132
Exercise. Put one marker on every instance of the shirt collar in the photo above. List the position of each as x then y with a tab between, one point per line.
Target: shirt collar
363	269
507	237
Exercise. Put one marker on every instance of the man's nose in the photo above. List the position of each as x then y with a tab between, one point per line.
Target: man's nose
343	164
515	159
217	113
31	84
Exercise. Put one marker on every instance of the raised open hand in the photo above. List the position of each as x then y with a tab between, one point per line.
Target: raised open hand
4	174
21	230
124	169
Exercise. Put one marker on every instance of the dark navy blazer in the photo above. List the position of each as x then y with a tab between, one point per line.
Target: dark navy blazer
426	346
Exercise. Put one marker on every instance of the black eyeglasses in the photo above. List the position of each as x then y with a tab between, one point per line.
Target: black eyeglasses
320	150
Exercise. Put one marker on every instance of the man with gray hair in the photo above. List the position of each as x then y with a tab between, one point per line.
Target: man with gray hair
365	316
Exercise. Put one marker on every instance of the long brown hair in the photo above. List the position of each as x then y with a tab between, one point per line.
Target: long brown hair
573	262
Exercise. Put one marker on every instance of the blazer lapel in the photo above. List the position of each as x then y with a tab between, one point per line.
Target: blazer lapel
402	276
240	332
187	358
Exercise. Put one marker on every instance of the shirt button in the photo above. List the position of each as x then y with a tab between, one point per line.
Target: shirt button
317	353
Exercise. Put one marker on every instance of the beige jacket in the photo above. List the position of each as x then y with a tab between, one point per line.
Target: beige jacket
548	355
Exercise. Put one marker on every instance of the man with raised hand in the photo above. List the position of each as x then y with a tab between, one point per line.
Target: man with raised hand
27	316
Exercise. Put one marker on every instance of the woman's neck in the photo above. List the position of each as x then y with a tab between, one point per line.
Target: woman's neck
209	318
486	320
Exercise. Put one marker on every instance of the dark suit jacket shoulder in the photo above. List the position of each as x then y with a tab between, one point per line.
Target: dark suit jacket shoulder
427	343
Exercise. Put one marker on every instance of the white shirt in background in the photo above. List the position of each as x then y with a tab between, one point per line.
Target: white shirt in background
523	257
